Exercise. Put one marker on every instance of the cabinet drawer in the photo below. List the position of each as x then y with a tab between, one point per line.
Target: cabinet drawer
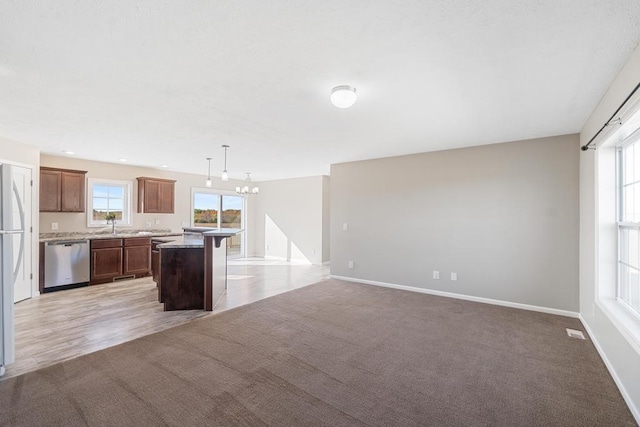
106	243
137	241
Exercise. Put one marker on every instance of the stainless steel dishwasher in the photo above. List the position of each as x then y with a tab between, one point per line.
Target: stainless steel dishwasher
66	263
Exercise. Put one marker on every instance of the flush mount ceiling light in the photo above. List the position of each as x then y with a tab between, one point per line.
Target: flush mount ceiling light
208	182
225	174
343	96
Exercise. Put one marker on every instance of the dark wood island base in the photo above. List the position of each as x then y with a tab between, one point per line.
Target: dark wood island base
181	279
192	272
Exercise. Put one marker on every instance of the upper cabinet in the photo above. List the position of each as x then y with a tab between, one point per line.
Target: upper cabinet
62	190
156	195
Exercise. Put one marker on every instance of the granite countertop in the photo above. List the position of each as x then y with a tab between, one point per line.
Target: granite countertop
196	240
183	242
102	234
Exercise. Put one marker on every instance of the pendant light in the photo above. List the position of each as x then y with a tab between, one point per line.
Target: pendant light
248	187
225	174
208	182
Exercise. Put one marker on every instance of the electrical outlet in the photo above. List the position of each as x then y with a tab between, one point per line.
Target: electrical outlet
345	227
54	225
436	274
186	224
454	277
313	251
148	224
350	264
157	221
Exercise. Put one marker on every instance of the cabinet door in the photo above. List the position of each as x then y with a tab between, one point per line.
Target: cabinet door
106	263
72	192
152	196
156	195
50	191
155	264
137	259
166	197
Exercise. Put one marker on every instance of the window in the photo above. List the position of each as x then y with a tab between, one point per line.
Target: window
213	208
108	197
628	289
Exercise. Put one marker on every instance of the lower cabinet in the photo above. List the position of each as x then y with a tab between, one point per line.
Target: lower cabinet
137	256
112	259
155	259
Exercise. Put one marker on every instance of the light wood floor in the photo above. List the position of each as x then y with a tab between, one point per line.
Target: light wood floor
62	325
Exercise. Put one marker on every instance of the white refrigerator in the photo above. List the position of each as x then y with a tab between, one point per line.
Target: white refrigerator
11	235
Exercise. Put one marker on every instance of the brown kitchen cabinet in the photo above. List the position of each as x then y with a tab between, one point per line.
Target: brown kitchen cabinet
62	190
113	259
106	260
156	195
137	256
155	259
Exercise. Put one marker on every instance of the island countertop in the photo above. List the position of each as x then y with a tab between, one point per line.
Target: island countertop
196	239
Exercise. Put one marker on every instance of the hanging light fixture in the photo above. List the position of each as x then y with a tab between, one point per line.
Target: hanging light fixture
225	174
248	187
343	96
208	182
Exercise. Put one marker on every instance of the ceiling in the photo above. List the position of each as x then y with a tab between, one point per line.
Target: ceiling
168	82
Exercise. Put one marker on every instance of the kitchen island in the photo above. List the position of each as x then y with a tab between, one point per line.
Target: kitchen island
193	270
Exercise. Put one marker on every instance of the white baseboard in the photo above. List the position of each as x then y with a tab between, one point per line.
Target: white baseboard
463	297
623	391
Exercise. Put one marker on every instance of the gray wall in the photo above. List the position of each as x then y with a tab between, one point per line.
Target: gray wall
504	217
326	223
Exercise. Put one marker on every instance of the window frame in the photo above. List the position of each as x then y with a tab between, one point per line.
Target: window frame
622	222
127	212
220	193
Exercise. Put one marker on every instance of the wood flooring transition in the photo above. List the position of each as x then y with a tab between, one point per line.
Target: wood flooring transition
62	325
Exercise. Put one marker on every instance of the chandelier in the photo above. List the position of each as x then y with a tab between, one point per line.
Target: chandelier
248	187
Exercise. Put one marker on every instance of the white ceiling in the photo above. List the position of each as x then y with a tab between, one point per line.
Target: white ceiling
169	82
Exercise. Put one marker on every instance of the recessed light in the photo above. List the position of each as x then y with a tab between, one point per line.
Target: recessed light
68	152
164	166
123	160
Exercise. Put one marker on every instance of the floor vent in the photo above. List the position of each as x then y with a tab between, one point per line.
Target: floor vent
575	334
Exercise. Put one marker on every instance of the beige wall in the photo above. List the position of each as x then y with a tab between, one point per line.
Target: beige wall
28	156
621	358
184	182
504	217
289	219
16	152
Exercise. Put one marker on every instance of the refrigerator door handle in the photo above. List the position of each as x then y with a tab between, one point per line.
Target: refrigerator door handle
20	207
